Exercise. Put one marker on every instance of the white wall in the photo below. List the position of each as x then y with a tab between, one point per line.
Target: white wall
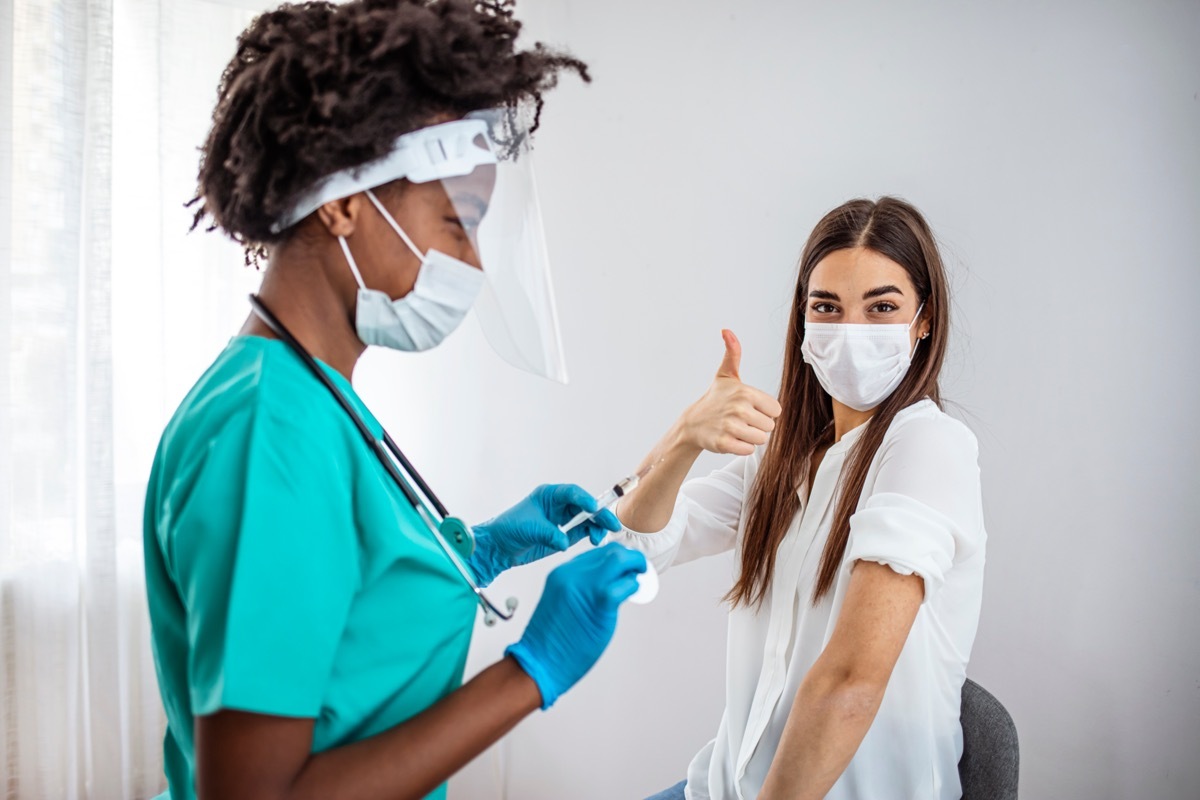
1055	148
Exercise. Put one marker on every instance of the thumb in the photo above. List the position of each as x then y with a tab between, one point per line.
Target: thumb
733	356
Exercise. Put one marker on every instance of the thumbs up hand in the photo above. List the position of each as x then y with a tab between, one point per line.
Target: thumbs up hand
731	417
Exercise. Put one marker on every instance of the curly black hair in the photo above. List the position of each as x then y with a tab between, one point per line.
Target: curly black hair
319	87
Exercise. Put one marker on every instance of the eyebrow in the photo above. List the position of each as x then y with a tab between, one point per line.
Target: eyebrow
878	291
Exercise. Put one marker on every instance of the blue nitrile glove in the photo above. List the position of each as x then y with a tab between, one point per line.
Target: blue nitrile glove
576	617
529	530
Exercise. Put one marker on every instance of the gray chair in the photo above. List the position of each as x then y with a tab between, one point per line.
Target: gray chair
991	757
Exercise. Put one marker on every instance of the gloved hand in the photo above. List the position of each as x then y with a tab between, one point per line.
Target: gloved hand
576	617
529	530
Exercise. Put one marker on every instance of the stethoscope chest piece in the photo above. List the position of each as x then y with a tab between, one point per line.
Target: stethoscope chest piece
459	535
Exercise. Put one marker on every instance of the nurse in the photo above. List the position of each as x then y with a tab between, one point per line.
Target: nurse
311	600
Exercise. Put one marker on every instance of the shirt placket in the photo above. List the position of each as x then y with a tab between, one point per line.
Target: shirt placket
793	552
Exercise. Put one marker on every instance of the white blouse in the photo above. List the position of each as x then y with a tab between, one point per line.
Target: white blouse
920	512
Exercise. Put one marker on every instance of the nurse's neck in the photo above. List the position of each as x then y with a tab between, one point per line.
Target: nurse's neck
846	419
318	310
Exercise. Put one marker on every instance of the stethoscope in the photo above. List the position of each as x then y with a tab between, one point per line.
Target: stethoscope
454	535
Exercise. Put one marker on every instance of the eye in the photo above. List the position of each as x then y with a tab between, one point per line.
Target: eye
823	308
468	225
884	307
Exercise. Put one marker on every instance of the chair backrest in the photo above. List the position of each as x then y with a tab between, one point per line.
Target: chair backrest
991	757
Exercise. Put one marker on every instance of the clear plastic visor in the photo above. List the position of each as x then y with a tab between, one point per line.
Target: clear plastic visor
484	164
498	209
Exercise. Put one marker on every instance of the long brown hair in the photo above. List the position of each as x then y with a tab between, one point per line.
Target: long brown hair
894	229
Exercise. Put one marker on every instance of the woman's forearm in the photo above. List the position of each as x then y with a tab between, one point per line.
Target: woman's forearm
648	509
413	758
840	696
825	727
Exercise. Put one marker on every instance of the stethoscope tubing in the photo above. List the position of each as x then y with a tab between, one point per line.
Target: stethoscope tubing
381	450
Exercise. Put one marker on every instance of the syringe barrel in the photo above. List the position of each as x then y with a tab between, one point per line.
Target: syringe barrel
625	486
608	498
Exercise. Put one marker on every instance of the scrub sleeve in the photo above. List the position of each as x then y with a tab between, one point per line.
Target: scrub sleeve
269	581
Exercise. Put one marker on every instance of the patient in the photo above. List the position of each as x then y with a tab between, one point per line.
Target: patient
853	505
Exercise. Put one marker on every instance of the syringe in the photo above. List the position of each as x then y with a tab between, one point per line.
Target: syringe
609	498
648	580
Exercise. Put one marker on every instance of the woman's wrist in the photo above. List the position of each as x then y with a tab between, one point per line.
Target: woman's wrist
681	441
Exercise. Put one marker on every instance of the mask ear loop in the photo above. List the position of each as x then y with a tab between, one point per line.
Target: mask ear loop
916	317
395	225
350	261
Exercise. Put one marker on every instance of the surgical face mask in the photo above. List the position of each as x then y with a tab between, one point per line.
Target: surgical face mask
859	365
445	290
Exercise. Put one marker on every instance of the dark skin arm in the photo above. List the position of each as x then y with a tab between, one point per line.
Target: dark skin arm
246	756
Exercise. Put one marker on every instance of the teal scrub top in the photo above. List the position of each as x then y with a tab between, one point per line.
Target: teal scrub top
285	572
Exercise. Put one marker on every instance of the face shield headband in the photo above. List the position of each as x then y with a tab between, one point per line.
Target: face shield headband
484	165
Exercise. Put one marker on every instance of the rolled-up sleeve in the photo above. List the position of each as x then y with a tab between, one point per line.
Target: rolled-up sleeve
925	510
705	521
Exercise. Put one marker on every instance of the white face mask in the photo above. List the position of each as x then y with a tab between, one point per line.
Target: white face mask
859	365
445	290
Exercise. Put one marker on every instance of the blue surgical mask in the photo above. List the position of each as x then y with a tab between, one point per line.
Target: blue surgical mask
444	292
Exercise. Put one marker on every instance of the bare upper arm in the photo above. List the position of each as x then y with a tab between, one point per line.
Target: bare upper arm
876	616
242	755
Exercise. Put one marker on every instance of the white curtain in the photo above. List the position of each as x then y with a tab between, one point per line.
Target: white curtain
108	312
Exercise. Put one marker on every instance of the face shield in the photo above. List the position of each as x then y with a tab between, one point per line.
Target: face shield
484	165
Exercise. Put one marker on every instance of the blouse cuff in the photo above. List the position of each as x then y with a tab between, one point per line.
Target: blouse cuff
659	548
906	535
